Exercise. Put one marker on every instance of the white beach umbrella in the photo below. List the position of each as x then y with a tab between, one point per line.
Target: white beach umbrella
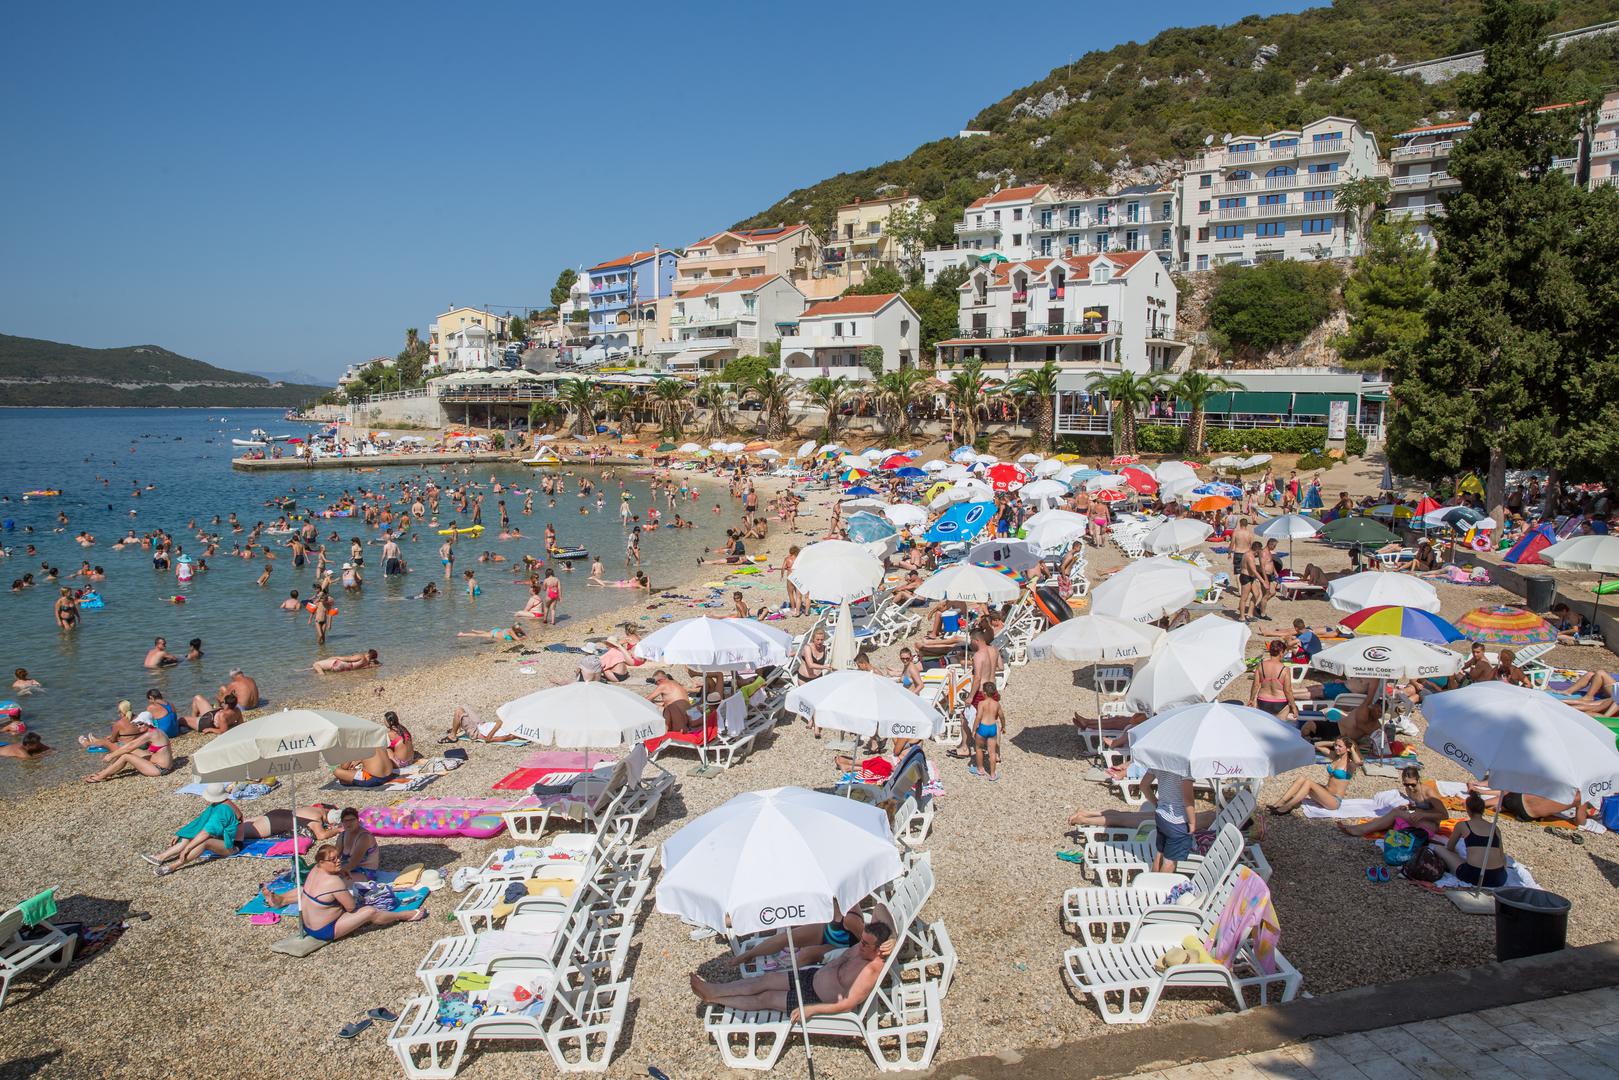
986	459
1253	462
1177	535
722	447
955	472
1106	480
1171	471
1598	554
830	447
806	450
1194	663
905	514
963	454
1226	462
865	502
775	859
689	448
841	652
1095	639
1053	535
1149	589
710	644
852	461
1289	527
583	715
866	704
1047	467
1523	740
1376	588
1384	656
1012	554
285	744
836	571
1042	491
768	452
1029	459
969	584
935	466
1055	515
1177	489
1217	740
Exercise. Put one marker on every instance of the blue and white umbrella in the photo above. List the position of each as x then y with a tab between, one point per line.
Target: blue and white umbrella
1230	491
868	528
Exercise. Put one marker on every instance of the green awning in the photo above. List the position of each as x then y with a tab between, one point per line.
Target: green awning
1319	404
1374	397
1261	403
1216	403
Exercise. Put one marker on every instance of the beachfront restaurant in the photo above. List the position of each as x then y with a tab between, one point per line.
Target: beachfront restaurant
1276	397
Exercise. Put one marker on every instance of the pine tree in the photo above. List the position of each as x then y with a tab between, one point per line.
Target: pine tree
1385	297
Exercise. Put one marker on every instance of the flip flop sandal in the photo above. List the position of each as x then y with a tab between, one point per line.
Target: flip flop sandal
1075	856
385	1015
353	1028
1371	874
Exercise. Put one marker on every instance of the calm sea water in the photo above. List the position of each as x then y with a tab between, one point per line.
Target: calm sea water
179	461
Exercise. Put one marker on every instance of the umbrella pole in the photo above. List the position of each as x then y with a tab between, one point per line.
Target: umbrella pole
1597	603
798	992
297	862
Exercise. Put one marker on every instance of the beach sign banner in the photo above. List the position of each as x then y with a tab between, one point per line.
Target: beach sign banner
960	523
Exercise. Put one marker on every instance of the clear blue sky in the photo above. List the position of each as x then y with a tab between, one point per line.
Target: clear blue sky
288	186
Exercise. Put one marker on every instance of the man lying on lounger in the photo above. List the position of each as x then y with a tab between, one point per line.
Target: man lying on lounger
838	986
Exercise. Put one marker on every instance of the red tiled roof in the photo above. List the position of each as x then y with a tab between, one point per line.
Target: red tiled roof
1011	194
633	257
876	202
775	232
700	290
851	305
1079	264
747	284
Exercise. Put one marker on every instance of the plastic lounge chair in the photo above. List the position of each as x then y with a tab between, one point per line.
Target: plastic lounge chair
24	946
905	785
1117	857
900	1021
429	1050
585	937
519	862
586	1020
586	798
1101	914
1126	984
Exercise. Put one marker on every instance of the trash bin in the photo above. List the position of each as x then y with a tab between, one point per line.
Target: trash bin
1539	592
1529	922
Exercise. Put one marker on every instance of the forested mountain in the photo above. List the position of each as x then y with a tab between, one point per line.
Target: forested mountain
1129	112
38	372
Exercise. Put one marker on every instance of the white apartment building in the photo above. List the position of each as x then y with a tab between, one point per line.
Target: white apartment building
446	326
1002	221
1259	197
1113	311
470	348
1139	218
831	336
1419	172
719	321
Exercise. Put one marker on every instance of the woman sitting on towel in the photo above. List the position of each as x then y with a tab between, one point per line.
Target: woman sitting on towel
1342	757
214	831
1474	852
1423	812
329	910
370	772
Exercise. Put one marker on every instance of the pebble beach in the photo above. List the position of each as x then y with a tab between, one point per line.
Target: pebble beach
194	987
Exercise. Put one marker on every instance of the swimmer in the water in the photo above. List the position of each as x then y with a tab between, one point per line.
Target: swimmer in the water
158	655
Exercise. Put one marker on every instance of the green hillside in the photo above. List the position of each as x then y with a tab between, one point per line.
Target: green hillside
37	372
1124	112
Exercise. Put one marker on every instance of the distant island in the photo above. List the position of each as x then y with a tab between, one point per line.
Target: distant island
34	372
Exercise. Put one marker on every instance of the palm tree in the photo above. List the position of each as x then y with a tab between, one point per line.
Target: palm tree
673	399
1196	387
965	394
412	338
896	393
774	391
1040	387
543	413
618	401
1128	393
579	396
715	396
829	394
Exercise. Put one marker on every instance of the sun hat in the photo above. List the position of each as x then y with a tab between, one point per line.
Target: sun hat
215	793
348	566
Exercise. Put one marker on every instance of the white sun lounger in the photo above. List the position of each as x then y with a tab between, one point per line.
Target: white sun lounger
44	947
1116	857
1102	915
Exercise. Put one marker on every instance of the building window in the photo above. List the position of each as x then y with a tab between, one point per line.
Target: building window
995	215
1280	170
1202	262
1073	217
1045	219
1074	241
1228	204
1242	147
1271	228
1045	245
1131	240
1017	239
1279	144
1228	232
1330	167
1132	211
837	329
1327	136
1316	226
1165	210
1163	239
1272	200
1240	174
1203	234
1101	241
1317	196
1017	213
1206	180
1101	272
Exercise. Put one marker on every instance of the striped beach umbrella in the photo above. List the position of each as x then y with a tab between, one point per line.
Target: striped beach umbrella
1392	620
1501	624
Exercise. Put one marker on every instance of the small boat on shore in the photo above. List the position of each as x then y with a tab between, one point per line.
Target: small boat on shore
254	443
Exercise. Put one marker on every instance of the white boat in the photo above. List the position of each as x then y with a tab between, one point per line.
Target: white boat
248	442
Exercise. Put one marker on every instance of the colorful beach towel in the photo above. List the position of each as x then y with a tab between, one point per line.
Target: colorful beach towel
409	899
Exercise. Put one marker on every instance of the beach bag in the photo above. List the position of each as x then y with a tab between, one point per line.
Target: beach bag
1399	847
1425	865
1610	813
377	895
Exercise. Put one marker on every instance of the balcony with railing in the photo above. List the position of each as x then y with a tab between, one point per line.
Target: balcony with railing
1421	180
1278	183
985	227
1569	165
1291	208
1425	150
1611	180
1605	146
1086	327
704	341
1417	213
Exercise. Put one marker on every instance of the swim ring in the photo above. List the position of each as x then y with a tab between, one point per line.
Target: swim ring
469	530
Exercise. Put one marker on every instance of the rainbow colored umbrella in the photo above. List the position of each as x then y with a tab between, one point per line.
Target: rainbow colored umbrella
1503	625
1001	568
851	475
1407	622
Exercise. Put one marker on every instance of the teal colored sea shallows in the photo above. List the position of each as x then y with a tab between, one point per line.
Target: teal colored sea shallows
179	461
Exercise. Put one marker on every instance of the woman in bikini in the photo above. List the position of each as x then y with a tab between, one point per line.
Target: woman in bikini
1342	757
811	941
1273	685
359	848
316	821
329	910
150	755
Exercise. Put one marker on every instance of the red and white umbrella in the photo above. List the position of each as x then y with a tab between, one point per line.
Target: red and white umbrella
1006	477
1111	495
1140	479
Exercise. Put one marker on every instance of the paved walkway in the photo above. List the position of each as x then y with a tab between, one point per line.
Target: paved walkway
1575	1037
